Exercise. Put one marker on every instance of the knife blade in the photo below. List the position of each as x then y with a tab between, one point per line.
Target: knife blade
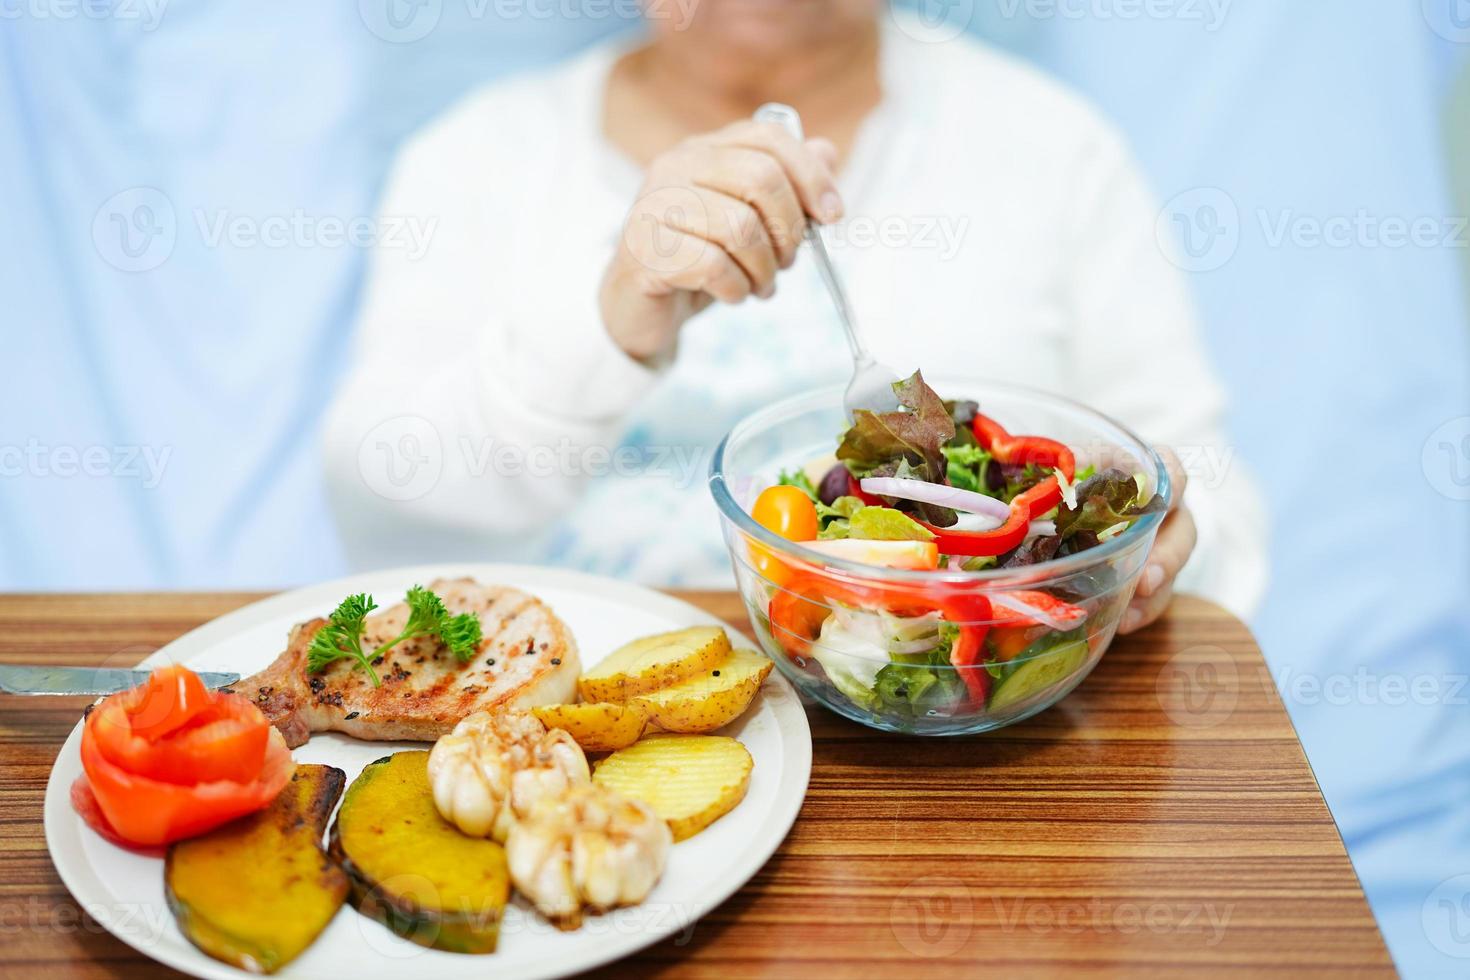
24	679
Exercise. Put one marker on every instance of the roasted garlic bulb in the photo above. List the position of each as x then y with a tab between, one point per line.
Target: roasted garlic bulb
589	848
493	767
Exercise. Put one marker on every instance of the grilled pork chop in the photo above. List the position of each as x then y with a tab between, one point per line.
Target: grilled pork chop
527	657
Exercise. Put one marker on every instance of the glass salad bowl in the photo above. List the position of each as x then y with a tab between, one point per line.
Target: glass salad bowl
881	645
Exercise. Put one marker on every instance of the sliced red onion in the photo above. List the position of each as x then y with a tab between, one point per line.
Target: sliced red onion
1043	617
933	493
1043	528
974	522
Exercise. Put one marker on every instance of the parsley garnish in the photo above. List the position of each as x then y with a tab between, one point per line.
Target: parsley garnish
342	635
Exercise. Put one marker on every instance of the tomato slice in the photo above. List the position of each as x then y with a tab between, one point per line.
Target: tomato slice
166	702
796	619
84	801
151	812
227	740
169	759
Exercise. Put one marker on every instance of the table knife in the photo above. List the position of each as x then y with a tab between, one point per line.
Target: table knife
22	679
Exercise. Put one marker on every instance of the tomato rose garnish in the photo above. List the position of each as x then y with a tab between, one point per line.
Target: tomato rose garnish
170	759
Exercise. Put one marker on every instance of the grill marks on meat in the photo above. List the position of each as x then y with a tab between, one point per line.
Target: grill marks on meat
526	657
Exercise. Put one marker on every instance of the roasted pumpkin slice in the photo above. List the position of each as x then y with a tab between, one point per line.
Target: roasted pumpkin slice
410	868
257	891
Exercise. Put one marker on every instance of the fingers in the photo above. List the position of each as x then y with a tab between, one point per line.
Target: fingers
1178	478
718	217
736	227
692	263
1144	612
757	179
825	150
807	172
1171	550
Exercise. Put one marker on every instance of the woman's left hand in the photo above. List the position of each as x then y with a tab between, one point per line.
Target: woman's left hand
1171	550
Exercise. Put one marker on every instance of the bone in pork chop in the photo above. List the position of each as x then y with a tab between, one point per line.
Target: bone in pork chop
527	657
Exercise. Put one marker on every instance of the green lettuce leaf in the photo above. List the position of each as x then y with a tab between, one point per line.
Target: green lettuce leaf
914	684
966	465
834	518
801	481
886	524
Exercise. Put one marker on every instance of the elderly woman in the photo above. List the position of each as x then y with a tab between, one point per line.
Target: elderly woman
614	279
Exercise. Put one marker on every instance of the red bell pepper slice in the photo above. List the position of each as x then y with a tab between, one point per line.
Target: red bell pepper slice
1020	450
1061	611
970	613
1026	507
855	489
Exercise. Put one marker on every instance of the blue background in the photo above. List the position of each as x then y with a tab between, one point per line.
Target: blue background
1349	365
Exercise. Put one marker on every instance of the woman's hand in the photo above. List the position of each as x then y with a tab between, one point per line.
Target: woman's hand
1171	550
717	217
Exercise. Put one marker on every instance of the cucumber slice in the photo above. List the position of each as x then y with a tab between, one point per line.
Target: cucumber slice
1036	675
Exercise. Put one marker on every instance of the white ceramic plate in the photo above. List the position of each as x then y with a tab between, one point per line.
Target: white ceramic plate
124	891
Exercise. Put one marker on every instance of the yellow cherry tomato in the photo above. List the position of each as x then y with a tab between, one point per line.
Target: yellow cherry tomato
786	511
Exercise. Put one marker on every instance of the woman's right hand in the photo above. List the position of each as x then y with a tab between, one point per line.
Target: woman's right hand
717	217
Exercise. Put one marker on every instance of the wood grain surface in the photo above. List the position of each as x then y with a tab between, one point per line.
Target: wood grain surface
1161	821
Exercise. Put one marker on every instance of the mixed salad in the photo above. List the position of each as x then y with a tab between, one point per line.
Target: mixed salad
939	484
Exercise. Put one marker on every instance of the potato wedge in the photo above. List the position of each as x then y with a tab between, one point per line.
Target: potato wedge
689	780
708	700
599	727
654	662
